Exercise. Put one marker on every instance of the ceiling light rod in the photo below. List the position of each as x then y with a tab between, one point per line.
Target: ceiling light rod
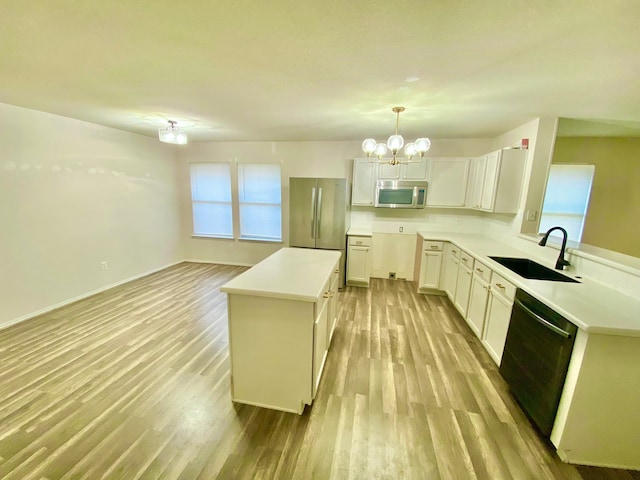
172	134
394	144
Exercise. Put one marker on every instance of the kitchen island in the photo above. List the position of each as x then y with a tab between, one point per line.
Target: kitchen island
597	421
282	313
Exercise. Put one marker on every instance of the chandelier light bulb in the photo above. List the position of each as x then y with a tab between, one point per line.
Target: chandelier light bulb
395	143
422	145
369	146
381	150
410	150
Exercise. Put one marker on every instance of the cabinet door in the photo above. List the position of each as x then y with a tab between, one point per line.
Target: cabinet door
364	179
447	182
451	276
333	306
479	165
497	324
320	343
414	171
390	172
477	304
463	288
430	269
358	265
490	182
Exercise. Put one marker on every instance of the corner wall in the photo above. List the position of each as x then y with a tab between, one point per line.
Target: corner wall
74	194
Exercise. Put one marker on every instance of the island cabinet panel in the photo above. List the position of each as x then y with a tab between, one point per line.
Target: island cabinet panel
272	351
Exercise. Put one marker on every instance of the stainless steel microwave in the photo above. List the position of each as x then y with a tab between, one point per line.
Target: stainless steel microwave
400	194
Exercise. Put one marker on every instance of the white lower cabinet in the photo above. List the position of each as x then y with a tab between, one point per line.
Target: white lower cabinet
430	265
478	297
333	305
501	295
359	261
463	283
450	274
320	344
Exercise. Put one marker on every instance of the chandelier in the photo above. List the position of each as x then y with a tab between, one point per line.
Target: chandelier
394	144
172	134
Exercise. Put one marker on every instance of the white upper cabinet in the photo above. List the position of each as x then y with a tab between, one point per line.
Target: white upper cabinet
497	181
448	178
476	178
405	171
364	180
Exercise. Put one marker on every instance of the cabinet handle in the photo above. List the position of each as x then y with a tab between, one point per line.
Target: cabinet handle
326	295
464	260
499	285
337	270
468	273
479	270
483	287
454	251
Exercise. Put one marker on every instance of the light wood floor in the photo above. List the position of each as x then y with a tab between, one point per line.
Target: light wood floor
133	383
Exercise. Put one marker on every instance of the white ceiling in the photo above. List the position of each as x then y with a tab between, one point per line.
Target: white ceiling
323	70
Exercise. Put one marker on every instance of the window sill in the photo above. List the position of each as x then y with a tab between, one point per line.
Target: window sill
257	239
221	237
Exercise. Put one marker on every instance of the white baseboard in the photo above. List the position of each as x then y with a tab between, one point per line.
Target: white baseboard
9	323
216	262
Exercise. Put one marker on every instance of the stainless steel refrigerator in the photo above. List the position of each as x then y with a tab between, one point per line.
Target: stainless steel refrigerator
319	215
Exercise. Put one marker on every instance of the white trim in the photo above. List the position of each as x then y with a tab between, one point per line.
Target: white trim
82	296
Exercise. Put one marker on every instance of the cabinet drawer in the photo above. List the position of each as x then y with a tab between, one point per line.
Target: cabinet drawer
466	260
360	241
480	270
502	287
453	250
432	245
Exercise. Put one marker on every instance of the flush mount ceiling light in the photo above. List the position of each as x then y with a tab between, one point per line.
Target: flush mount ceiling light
394	144
172	134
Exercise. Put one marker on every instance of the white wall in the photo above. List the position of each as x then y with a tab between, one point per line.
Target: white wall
73	194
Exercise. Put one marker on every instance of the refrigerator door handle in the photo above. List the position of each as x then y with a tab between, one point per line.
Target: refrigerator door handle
319	211
313	213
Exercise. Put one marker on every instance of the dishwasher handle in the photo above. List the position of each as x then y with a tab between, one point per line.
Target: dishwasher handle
542	321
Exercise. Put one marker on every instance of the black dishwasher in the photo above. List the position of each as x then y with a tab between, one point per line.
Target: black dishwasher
536	357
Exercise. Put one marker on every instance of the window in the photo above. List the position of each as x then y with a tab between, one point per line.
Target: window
253	211
567	198
260	199
211	196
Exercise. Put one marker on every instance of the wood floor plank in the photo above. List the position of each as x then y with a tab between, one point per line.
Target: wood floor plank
134	383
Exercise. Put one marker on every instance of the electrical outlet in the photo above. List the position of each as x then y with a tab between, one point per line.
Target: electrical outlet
401	229
392	275
104	265
531	215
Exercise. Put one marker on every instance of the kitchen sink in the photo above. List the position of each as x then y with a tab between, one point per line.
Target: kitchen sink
529	269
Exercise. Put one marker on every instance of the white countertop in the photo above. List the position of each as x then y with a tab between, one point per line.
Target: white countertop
290	273
591	306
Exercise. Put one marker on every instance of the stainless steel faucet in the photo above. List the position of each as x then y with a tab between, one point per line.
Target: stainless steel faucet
561	263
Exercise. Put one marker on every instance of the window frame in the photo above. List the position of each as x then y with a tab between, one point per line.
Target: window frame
240	236
234	179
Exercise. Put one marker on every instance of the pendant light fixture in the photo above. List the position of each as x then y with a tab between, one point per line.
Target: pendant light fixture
172	134
394	144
